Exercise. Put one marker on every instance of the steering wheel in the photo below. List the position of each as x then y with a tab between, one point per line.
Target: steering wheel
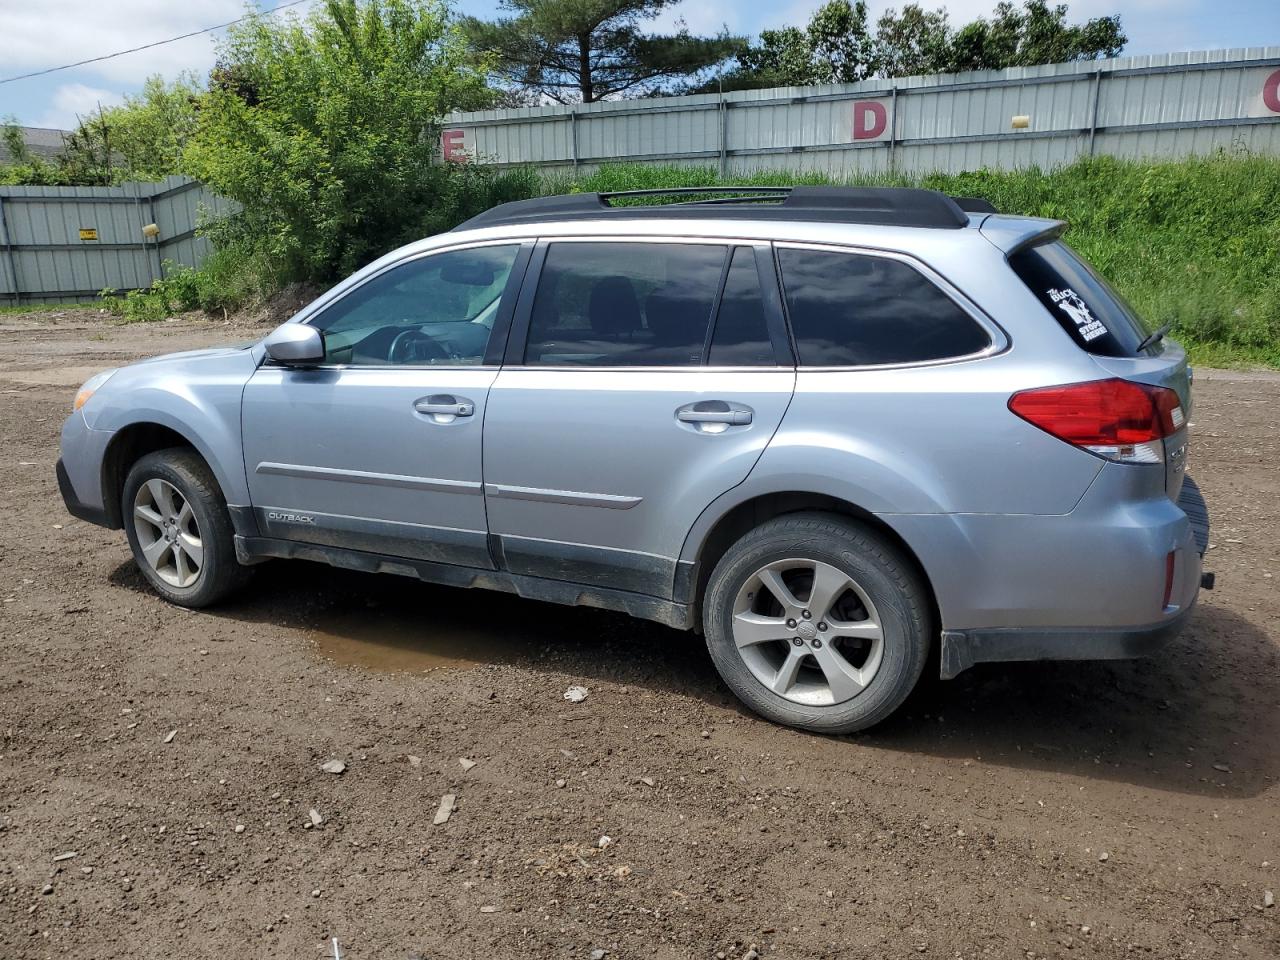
412	344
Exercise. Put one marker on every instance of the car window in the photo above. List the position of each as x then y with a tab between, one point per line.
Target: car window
1097	318
851	310
624	304
741	334
436	310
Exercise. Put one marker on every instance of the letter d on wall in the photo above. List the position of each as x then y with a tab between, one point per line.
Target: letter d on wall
870	119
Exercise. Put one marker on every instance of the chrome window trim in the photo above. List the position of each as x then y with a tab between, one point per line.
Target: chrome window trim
1000	341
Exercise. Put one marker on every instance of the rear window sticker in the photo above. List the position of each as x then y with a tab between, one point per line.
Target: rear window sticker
1070	303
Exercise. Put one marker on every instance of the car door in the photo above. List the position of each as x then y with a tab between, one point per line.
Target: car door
644	378
378	448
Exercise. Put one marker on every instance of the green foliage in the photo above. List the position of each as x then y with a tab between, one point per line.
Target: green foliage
588	50
1194	242
838	46
325	130
25	168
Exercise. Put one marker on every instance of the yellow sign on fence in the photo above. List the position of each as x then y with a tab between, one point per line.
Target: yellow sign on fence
88	233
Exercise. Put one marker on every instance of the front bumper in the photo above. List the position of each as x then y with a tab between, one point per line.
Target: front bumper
75	506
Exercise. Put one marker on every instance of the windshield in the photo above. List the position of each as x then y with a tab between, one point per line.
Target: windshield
1096	317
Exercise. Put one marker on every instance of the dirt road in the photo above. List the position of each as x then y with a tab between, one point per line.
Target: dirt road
1046	810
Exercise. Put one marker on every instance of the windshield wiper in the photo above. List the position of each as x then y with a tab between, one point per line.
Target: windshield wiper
1154	337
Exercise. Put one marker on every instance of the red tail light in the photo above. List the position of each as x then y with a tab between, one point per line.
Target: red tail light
1116	419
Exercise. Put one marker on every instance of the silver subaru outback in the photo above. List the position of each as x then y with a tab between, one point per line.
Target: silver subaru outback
841	432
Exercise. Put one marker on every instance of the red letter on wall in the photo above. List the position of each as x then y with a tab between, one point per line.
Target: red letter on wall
453	146
1271	92
869	119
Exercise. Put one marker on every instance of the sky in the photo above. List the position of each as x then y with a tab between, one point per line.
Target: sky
38	34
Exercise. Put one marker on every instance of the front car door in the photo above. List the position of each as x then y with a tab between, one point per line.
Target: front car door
378	448
644	378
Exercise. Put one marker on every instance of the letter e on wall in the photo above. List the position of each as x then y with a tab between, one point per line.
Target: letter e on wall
454	147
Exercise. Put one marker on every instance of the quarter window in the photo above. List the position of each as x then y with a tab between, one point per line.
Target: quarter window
854	310
624	304
438	310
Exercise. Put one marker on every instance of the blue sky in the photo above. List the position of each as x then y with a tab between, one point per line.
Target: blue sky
36	34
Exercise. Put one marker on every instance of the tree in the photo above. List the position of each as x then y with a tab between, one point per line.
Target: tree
1033	35
590	50
835	47
912	42
326	129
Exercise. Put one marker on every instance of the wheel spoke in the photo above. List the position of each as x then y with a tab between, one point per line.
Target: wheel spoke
829	583
785	678
772	581
844	679
148	514
184	515
161	496
864	629
193	548
155	551
180	565
752	628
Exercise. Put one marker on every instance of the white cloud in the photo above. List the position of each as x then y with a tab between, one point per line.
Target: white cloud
49	33
75	101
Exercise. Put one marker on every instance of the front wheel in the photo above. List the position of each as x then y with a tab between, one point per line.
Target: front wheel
818	622
179	529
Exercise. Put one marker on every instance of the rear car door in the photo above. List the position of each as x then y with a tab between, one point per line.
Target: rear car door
378	448
644	378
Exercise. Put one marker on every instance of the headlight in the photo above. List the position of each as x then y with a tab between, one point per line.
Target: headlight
91	385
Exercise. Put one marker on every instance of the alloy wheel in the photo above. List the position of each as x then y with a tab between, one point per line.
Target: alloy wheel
808	632
167	533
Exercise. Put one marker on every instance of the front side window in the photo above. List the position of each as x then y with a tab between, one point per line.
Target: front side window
854	310
624	304
438	310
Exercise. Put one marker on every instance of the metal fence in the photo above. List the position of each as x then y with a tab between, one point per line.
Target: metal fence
1154	106
61	244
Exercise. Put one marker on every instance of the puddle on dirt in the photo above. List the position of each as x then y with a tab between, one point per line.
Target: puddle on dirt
391	638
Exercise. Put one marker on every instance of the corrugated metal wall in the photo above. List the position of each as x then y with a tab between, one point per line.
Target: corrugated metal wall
1154	106
45	257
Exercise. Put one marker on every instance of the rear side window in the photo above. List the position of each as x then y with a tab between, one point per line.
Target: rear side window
624	304
1095	316
741	335
853	310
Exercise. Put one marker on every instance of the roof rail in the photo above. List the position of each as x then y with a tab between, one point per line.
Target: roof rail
887	206
975	205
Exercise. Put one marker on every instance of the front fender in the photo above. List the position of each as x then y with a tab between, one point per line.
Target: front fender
197	396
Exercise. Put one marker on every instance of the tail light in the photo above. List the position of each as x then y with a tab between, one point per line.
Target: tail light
1116	419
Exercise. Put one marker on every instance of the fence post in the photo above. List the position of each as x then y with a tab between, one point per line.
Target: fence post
5	241
1093	116
724	136
893	129
153	244
573	136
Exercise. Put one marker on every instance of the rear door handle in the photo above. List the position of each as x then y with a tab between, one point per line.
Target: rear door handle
714	412
444	407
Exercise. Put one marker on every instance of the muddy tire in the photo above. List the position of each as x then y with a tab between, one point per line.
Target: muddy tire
179	529
818	622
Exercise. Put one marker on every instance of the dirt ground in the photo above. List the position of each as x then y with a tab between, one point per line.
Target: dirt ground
158	767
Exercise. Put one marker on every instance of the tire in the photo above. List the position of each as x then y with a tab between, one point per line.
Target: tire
779	670
166	552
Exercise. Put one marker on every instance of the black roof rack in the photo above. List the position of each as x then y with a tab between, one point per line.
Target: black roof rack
888	206
975	205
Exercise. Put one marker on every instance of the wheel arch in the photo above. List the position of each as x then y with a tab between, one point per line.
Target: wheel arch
131	443
713	536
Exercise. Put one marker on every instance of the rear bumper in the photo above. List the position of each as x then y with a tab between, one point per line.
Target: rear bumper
961	649
75	506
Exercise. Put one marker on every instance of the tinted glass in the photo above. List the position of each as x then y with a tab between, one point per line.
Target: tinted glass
741	335
437	310
1095	316
624	304
850	310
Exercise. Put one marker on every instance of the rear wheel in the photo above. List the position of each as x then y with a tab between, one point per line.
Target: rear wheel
179	529
818	623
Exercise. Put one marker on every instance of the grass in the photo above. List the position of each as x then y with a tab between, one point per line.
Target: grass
47	307
1193	242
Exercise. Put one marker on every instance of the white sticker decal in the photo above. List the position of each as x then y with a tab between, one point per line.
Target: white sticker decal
1070	303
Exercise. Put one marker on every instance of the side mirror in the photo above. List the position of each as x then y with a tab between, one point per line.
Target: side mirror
295	344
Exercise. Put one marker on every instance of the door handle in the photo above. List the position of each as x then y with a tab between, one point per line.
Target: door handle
714	412
441	405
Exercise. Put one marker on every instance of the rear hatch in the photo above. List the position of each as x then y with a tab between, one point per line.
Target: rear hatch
1102	324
